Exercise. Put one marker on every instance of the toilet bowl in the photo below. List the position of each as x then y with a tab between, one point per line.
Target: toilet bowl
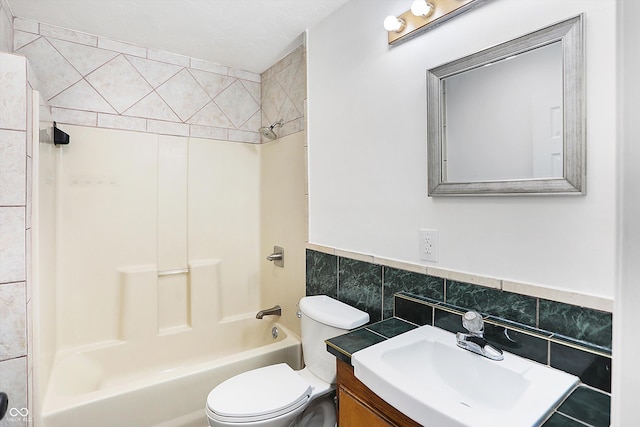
272	396
277	395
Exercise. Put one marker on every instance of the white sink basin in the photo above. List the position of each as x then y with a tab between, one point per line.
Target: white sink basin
425	375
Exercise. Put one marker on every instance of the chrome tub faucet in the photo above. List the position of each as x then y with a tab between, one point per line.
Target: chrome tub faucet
273	311
474	341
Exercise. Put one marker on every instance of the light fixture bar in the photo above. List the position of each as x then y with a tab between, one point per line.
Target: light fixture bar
443	10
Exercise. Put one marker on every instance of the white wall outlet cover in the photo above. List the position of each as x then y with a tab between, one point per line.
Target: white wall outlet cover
428	247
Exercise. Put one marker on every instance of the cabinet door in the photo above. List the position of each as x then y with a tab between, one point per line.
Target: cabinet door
353	413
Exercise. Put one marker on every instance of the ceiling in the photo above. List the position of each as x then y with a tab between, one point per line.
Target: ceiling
250	35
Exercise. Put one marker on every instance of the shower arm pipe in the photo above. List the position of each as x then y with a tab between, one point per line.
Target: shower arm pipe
279	124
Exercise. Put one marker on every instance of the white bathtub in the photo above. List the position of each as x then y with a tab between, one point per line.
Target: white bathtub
162	381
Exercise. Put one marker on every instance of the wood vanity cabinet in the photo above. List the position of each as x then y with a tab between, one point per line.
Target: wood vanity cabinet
359	406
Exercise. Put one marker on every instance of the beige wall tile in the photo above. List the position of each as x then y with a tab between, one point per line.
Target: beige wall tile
154	72
113	121
122	47
6	30
244	136
13	380
50	67
119	83
183	94
74	117
12	244
69	35
13	153
237	103
13	99
209	66
13	328
167	128
152	106
26	25
168	57
208	132
85	59
21	38
244	75
81	96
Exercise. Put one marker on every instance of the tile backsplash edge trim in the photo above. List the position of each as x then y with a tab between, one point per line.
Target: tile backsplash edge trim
532	290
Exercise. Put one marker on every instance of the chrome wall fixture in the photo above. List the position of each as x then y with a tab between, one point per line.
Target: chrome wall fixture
277	257
423	15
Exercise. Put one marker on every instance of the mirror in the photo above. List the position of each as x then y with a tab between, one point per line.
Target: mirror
510	119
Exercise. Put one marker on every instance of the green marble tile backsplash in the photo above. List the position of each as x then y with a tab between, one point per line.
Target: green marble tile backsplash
572	338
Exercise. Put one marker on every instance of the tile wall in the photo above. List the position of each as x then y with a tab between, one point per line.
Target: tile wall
284	89
15	233
6	27
94	81
569	337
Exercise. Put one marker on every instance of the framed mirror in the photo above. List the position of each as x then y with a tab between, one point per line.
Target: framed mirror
509	120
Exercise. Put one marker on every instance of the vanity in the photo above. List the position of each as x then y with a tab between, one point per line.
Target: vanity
358	405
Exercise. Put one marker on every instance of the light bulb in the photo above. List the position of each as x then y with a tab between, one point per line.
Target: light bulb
391	23
421	8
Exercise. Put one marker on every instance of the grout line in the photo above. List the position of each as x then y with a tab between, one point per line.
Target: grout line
573	419
549	338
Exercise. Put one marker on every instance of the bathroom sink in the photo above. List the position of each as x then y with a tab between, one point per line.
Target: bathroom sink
425	375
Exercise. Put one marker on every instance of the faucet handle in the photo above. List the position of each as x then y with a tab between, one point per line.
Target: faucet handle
472	322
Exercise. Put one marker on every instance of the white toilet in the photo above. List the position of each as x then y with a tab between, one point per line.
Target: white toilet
278	396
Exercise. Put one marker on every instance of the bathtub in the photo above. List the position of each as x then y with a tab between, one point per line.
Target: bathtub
162	381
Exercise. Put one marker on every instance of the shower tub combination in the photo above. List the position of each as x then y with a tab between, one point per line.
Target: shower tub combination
163	381
148	276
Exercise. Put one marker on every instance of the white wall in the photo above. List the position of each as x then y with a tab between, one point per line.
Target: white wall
626	382
367	149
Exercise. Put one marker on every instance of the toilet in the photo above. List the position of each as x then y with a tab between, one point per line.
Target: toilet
278	396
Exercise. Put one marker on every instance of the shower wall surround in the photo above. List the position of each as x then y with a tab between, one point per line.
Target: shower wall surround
15	230
6	27
95	81
284	90
569	337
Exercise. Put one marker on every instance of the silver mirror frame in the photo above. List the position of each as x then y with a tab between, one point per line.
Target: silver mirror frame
571	34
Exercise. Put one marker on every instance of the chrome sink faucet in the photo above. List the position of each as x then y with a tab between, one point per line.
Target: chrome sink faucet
474	341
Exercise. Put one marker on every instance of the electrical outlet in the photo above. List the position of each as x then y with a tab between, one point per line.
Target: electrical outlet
429	245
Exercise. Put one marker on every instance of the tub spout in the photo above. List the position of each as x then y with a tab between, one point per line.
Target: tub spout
273	311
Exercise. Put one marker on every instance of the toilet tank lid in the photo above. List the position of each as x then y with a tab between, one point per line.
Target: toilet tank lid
329	311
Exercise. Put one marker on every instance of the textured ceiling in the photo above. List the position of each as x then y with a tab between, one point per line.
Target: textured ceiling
247	34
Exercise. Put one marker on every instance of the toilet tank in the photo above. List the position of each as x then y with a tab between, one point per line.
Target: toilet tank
322	318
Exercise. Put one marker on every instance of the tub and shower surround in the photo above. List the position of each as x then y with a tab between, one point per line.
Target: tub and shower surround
151	233
160	381
158	278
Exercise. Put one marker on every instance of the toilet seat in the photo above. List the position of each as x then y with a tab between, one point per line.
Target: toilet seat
258	395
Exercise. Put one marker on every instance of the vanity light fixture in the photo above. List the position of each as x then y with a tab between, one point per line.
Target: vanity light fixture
393	24
423	15
421	8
